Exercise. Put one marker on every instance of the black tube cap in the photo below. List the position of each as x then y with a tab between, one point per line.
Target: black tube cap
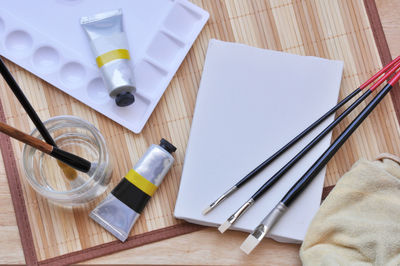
124	99
167	146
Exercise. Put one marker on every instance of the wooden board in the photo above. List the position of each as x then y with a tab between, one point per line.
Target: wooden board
336	29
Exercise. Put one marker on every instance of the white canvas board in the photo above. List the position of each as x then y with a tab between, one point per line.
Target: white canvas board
250	103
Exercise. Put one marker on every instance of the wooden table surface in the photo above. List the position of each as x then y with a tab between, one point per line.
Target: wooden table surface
207	246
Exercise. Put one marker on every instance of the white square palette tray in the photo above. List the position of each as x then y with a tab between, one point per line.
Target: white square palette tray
46	38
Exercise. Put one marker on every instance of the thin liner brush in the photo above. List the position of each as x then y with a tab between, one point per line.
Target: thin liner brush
267	185
269	221
264	164
70	159
69	172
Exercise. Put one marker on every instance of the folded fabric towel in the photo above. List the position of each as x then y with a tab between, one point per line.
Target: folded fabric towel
359	222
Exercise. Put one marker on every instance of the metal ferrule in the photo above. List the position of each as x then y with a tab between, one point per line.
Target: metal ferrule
240	211
265	226
222	197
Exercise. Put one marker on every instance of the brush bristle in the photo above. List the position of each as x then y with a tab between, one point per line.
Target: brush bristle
206	210
69	172
249	244
223	227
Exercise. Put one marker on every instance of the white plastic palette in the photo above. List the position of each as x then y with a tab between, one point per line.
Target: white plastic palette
45	38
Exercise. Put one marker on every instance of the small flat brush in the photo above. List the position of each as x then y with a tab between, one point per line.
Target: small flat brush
269	221
264	164
70	159
267	185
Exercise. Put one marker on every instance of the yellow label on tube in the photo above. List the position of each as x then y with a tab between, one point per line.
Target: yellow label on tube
111	56
140	182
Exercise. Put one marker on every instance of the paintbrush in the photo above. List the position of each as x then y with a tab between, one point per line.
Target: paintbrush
264	164
69	172
65	157
269	221
267	185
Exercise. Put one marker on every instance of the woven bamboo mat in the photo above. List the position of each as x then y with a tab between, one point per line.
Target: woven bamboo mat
336	29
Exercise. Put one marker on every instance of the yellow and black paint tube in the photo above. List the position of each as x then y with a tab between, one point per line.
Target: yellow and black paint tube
121	208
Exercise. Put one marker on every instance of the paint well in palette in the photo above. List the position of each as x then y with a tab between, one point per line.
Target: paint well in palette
178	14
46	58
149	77
97	92
164	49
19	43
72	74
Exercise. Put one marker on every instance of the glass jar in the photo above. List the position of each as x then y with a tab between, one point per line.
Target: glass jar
45	175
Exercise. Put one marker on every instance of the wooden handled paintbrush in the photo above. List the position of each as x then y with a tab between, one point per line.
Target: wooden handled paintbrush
70	159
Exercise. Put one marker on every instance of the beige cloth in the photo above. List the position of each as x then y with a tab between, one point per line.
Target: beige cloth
359	222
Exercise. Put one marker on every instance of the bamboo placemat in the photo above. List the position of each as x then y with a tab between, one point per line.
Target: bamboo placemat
336	29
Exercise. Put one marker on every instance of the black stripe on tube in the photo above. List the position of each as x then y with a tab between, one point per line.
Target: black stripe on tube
131	195
313	171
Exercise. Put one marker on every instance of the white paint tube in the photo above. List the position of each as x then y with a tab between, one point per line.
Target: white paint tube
110	47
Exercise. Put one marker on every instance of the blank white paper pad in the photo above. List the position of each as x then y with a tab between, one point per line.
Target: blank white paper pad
250	103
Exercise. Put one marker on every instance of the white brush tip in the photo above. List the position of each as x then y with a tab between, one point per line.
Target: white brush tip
249	244
223	227
206	210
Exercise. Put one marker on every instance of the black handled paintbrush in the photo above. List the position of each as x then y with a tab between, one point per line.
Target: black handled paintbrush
264	164
267	185
70	159
269	221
